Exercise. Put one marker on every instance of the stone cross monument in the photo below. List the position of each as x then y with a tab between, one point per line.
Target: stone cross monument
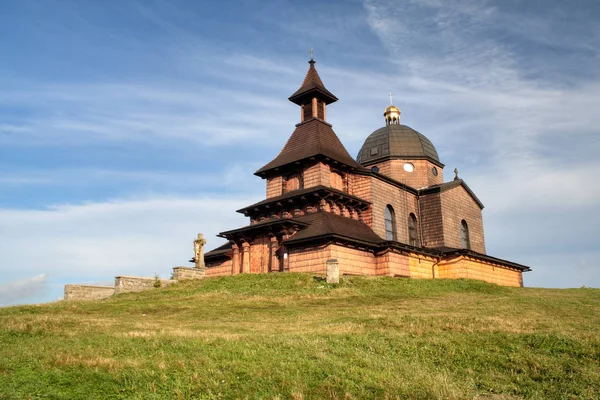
199	251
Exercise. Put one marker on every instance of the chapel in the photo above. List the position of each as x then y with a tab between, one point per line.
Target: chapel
386	213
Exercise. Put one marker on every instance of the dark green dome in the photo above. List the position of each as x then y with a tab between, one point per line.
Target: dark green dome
397	141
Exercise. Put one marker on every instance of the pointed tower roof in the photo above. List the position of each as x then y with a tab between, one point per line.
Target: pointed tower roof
310	139
313	137
312	87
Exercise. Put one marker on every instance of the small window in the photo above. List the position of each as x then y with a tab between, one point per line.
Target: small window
374	151
375	168
409	167
390	223
293	182
434	171
413	237
464	234
337	181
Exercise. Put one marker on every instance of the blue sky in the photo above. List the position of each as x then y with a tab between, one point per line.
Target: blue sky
126	127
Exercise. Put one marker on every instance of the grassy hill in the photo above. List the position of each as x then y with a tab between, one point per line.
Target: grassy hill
283	336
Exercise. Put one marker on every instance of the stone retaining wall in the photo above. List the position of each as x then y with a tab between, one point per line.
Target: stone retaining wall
126	284
88	292
183	273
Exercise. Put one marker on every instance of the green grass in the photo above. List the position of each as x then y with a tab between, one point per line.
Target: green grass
284	336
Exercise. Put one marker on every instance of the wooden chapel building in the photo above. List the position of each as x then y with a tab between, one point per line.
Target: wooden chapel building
388	212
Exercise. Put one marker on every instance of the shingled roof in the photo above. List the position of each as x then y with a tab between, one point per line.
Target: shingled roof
323	224
320	191
397	141
311	138
450	185
220	251
312	83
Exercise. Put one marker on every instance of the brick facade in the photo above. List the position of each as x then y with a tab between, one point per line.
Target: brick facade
274	186
317	175
403	203
421	176
465	267
432	225
458	205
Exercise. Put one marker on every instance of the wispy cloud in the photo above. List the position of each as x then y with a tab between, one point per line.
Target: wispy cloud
76	114
181	101
23	289
523	139
95	241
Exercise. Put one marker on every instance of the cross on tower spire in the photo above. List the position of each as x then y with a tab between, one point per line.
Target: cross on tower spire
391	103
311	54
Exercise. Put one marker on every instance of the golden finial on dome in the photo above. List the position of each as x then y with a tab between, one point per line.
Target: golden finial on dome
392	114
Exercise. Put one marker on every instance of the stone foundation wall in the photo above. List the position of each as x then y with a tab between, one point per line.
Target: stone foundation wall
354	261
393	264
125	284
466	267
88	292
309	259
351	261
420	266
185	273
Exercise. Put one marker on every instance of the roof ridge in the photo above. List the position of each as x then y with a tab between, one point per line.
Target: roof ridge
309	139
312	82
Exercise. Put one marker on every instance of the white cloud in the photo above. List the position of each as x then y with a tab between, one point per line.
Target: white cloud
23	289
524	143
94	242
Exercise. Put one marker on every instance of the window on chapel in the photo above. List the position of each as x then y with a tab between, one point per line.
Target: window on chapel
413	238
390	223
293	182
337	181
464	234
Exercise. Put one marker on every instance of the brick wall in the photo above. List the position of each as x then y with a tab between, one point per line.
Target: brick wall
88	292
360	186
274	186
457	205
392	263
222	268
317	174
432	224
466	267
309	259
403	203
421	267
353	261
422	175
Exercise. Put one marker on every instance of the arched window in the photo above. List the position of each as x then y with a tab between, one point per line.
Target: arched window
390	223
413	238
293	182
464	234
337	181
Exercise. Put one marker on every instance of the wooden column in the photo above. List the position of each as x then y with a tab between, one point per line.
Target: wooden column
245	257
235	260
273	259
